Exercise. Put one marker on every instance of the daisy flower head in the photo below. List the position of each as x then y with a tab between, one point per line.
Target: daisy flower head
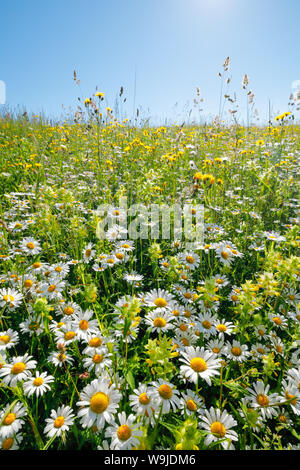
38	385
205	324
65	334
278	321
160	299
166	396
18	369
68	310
221	281
224	254
30	246
236	351
88	253
84	326
219	425
185	338
191	403
258	351
291	393
274	237
159	321
124	433
60	357
260	398
52	290
98	360
11	419
216	346
99	403
60	270
11	442
10	298
141	401
60	421
199	362
8	339
224	327
133	278
189	260
125	245
95	342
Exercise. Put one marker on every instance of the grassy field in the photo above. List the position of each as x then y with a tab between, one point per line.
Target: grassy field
114	343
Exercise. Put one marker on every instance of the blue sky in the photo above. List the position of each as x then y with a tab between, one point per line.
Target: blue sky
162	49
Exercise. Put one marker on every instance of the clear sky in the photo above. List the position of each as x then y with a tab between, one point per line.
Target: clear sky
158	50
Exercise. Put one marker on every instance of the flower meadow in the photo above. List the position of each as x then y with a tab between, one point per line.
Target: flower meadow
148	343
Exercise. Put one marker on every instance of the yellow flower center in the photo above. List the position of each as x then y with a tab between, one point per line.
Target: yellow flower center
159	322
69	335
165	391
9	419
88	253
7	444
144	399
59	422
83	325
224	254
206	324
52	288
236	351
289	397
30	245
68	310
58	269
277	321
190	259
97	358
28	283
18	367
218	429
262	400
198	364
4	339
216	350
221	328
191	405
159	302
99	402
124	432
119	255
95	342
38	381
261	350
36	265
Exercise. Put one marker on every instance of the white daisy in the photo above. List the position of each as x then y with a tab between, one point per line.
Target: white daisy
199	362
218	424
99	403
38	385
60	421
124	434
18	369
